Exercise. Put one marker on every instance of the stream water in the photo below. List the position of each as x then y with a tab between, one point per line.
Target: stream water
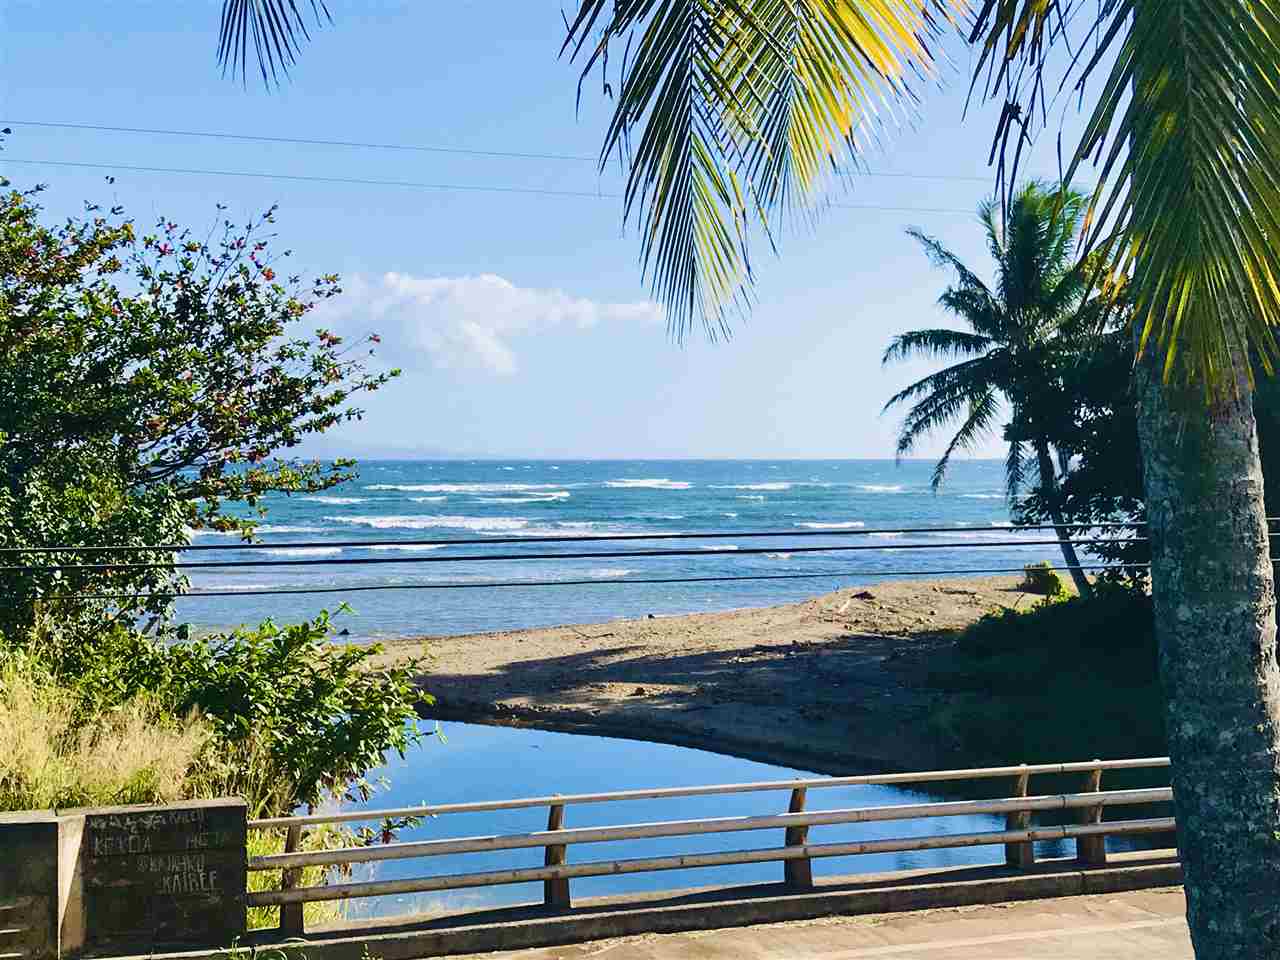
473	762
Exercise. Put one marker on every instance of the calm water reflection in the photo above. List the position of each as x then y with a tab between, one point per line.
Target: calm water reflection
476	762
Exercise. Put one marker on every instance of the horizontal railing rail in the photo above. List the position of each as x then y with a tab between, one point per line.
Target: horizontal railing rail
375	888
688	828
1089	833
663	793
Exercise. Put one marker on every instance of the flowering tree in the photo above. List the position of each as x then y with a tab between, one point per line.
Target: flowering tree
148	380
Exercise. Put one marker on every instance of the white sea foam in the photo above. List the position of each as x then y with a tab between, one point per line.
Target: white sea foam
844	525
751	486
604	573
406	547
887	536
336	501
463	487
303	551
527	498
650	484
720	546
729	515
428	499
754	496
881	488
778	556
261	529
982	496
476	524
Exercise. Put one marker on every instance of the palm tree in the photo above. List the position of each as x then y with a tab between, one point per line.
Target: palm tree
729	112
1020	332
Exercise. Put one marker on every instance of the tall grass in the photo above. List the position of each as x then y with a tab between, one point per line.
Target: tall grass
52	756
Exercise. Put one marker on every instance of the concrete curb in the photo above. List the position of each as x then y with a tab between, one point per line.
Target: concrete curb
711	908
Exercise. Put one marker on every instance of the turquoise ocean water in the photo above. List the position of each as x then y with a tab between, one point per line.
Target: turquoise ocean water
404	501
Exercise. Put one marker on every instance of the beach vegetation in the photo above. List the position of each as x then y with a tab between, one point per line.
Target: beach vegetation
1068	677
1041	578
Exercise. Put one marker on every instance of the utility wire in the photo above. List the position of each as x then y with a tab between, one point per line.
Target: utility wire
572	555
572	538
572	583
416	148
419	185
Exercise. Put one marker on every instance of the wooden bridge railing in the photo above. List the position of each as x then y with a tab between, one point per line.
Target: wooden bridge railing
796	854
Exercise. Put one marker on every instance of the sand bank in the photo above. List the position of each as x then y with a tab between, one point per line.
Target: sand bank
835	684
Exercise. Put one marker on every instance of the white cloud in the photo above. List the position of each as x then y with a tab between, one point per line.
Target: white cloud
470	321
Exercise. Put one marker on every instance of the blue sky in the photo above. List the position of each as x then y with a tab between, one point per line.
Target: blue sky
521	320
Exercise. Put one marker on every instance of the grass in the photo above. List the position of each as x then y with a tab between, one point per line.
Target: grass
52	757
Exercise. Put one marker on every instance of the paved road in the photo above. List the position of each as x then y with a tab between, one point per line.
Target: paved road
1127	926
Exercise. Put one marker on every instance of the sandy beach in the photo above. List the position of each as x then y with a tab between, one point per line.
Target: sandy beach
835	684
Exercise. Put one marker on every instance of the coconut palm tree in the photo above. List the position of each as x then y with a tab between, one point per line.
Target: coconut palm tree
1021	330
729	112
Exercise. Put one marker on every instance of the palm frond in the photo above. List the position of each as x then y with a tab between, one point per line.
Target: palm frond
963	376
744	108
276	30
1015	469
983	410
937	342
1186	130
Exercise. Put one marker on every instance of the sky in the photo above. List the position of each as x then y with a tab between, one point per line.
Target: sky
521	320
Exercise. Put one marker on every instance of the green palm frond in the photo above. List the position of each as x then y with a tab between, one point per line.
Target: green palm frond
934	343
275	29
984	408
1186	129
959	378
1033	241
743	108
1015	468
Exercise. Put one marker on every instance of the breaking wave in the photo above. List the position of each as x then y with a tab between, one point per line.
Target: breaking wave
658	484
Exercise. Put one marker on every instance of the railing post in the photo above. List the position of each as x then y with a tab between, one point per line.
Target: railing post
1092	851
291	922
798	873
1019	855
555	892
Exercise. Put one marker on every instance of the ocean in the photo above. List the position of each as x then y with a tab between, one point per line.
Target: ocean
403	501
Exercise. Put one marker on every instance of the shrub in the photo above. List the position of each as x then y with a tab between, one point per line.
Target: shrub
316	712
1041	578
1071	678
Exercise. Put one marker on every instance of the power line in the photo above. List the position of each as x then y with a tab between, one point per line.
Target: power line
419	185
568	538
617	581
416	148
572	555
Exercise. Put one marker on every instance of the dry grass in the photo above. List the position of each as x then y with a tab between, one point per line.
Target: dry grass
50	758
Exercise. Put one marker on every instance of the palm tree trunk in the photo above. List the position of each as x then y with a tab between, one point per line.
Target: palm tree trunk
1049	491
1212	585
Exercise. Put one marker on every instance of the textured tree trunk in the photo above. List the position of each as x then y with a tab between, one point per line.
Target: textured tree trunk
1049	490
1212	584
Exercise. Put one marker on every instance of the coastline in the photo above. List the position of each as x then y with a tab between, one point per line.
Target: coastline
837	684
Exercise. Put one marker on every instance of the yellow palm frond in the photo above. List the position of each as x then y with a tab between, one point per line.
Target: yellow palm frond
1186	135
730	111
